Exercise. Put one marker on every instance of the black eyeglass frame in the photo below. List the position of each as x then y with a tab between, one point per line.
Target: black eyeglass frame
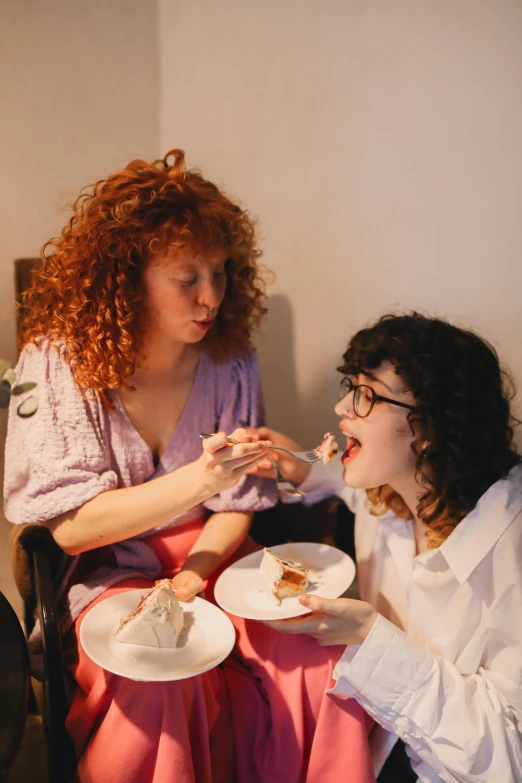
348	386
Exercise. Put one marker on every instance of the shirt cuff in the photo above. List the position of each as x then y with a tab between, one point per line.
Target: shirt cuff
384	671
323	481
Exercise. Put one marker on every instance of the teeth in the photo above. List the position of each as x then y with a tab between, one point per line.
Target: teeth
351	441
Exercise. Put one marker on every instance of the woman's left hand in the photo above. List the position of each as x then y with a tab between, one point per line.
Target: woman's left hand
186	585
333	620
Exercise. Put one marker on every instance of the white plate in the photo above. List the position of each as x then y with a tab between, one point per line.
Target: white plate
206	640
242	591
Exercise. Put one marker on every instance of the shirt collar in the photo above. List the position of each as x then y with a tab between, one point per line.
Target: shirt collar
478	531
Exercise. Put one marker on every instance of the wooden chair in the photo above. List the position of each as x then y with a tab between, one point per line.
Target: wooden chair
35	557
14	685
23	273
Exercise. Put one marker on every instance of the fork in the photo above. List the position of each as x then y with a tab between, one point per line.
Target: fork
284	485
303	456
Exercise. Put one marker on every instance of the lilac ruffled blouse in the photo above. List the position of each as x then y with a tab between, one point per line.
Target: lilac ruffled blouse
72	449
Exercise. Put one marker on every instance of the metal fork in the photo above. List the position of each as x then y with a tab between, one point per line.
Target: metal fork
284	485
303	456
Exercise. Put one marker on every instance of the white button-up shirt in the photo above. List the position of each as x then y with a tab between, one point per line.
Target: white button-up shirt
442	666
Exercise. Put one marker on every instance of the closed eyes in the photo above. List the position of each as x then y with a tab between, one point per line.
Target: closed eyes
218	274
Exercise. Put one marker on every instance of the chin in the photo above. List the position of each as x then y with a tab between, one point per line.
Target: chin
360	481
193	338
351	479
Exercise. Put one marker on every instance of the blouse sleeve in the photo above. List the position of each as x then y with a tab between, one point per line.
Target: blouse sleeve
242	405
56	460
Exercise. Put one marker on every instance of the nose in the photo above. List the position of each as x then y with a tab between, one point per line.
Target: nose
211	293
345	406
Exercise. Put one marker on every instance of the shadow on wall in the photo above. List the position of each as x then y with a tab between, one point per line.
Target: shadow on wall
304	414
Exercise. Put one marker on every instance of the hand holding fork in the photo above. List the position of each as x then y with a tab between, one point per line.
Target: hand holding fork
285	485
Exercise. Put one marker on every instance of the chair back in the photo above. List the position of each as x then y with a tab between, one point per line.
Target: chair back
24	268
14	685
35	557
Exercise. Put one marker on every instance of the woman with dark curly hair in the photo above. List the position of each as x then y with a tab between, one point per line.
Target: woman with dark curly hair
137	331
434	649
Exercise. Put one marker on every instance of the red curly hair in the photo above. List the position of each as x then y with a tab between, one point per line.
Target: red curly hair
88	290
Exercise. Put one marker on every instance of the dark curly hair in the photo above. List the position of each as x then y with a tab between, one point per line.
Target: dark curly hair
462	423
88	290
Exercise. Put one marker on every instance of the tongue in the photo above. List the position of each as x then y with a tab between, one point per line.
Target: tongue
353	445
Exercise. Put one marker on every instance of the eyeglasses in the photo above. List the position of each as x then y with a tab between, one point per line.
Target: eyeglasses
364	398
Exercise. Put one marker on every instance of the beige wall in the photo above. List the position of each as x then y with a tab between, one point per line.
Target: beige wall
379	144
79	97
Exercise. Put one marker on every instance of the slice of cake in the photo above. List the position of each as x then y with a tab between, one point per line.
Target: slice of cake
328	447
157	621
284	577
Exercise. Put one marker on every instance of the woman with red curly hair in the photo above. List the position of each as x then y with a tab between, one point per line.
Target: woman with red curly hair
137	330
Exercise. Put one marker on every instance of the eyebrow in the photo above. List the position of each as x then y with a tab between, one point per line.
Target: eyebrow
222	257
372	377
194	265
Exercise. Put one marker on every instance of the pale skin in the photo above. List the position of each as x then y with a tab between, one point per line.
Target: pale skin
384	457
183	295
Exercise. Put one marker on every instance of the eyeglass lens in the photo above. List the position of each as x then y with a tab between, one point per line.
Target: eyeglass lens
363	397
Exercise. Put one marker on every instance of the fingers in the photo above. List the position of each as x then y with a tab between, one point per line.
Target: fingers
242	436
244	447
312	602
186	585
238	454
309	623
183	593
260	433
245	454
332	606
278	438
215	442
246	464
263	469
294	625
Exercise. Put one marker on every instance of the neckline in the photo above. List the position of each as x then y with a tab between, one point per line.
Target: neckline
137	436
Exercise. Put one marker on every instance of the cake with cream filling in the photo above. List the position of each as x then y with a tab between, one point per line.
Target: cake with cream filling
284	577
157	621
328	447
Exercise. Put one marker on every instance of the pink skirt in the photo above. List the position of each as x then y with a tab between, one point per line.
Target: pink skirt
261	717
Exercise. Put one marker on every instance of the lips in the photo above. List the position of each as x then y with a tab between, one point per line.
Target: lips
206	324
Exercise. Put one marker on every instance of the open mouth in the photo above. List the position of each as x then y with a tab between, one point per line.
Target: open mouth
353	447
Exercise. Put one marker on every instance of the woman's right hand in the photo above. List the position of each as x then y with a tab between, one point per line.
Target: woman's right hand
223	464
291	468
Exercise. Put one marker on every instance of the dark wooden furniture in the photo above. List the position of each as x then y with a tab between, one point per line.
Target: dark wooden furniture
36	557
23	273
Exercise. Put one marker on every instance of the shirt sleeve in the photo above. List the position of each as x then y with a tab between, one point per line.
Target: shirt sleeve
327	480
242	405
56	460
464	727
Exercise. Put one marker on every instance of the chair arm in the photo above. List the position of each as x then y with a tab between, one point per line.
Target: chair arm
62	758
24	541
